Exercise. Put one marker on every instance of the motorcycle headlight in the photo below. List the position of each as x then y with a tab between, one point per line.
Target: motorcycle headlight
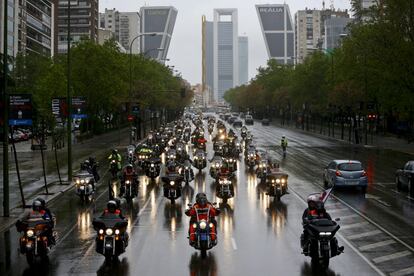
194	225
273	181
113	161
195	157
30	233
101	231
130	152
109	232
172	183
152	165
278	181
117	232
82	181
211	225
77	181
179	149
230	160
237	145
283	181
327	234
203	225
217	165
127	182
222	137
186	168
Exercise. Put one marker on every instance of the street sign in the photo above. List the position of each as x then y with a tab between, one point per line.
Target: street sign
79	108
21	110
135	110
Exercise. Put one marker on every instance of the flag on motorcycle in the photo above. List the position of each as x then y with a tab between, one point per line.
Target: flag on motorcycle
325	195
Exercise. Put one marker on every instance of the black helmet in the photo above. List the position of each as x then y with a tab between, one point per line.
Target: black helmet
36	205
112	206
201	199
114	151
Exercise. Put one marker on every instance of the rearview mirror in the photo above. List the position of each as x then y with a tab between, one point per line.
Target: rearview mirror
214	203
337	219
190	205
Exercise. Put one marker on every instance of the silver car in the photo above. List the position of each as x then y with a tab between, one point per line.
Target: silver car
345	173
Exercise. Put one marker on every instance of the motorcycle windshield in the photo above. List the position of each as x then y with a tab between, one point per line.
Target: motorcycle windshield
110	221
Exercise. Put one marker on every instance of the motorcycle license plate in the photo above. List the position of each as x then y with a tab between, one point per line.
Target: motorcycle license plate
203	237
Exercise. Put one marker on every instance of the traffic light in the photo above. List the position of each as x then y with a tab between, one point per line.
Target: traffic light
182	92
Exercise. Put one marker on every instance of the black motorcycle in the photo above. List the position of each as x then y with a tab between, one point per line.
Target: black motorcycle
34	243
251	159
277	184
322	243
231	163
216	165
199	160
113	168
84	185
152	168
172	186
187	173
112	239
262	170
224	189
129	188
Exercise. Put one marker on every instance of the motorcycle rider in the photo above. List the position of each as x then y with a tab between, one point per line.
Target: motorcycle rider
284	143
94	168
129	172
117	157
202	203
113	208
85	166
315	210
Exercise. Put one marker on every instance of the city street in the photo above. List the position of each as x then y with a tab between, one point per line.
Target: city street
256	235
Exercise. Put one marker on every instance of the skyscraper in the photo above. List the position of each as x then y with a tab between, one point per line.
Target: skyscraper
308	33
84	22
335	28
12	25
161	21
124	25
277	28
243	60
208	55
226	51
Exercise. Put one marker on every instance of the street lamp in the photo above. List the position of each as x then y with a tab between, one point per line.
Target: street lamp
130	76
154	49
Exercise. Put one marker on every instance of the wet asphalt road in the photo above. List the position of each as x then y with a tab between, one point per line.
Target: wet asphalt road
256	235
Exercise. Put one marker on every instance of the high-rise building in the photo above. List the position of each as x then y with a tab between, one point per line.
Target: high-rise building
161	21
335	30
84	22
226	51
12	27
243	60
277	28
208	55
310	30
308	33
124	25
366	4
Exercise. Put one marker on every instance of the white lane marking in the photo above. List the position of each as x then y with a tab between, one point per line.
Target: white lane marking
233	243
376	245
355	225
364	235
402	272
392	256
338	210
348	216
374	267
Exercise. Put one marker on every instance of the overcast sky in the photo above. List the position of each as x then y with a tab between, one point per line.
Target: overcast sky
185	49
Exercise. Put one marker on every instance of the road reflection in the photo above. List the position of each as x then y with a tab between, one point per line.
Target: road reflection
119	267
203	267
173	218
84	223
309	269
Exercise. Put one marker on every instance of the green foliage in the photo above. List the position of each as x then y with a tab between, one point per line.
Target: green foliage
101	73
374	64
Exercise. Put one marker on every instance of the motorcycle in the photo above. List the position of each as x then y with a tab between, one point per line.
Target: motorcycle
34	243
243	134
203	241
251	159
277	184
142	159
322	243
153	168
129	188
186	136
215	167
130	154
172	186
231	164
113	168
225	189
200	160
218	148
210	129
112	239
187	173
171	155
84	182
262	170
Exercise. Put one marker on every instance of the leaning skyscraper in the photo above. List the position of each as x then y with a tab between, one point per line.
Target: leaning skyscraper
277	28
161	21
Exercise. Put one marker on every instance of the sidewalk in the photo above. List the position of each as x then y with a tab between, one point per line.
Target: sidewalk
32	174
377	141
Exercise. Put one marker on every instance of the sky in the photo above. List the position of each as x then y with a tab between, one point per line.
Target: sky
185	48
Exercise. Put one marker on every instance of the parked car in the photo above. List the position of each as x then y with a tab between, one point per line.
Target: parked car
404	178
265	122
249	120
237	123
345	173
